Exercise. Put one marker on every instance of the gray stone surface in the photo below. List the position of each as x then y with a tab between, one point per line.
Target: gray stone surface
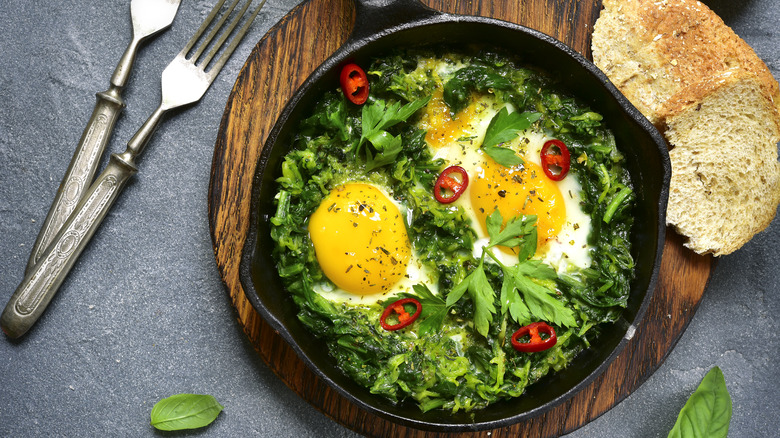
144	314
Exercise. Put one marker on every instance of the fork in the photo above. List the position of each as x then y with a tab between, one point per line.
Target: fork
184	81
149	17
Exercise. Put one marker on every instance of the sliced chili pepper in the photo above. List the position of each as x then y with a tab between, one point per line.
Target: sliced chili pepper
535	343
354	84
555	159
404	318
454	179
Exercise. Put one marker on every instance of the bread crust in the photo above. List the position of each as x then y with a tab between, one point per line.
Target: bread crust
717	104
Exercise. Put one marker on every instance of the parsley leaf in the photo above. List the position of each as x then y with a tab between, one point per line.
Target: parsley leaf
503	156
388	147
513	234
533	298
540	300
503	127
482	295
376	119
511	301
523	291
434	309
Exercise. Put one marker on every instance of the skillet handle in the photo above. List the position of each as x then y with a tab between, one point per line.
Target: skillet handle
374	17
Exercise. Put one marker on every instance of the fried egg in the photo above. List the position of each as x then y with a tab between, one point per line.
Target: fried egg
562	227
359	232
361	243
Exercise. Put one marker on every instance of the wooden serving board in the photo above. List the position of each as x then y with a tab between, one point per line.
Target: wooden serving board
279	63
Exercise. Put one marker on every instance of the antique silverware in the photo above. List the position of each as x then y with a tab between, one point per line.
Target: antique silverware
184	81
149	17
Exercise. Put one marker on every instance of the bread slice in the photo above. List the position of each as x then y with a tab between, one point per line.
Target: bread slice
717	105
725	184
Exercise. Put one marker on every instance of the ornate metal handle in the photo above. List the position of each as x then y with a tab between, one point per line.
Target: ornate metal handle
81	169
44	279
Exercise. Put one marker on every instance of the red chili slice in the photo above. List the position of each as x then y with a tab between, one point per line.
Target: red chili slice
555	159
404	318
535	343
354	83
454	179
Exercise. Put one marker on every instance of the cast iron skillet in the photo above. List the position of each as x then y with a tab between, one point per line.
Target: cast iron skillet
384	24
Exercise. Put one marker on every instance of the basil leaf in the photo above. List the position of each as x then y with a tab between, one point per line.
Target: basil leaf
185	411
506	126
707	412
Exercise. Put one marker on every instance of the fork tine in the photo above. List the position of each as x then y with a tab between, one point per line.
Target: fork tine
220	62
201	29
206	41
225	34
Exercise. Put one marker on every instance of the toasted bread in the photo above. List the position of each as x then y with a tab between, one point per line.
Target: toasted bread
717	104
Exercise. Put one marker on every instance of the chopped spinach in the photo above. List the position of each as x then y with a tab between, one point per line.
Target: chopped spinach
457	356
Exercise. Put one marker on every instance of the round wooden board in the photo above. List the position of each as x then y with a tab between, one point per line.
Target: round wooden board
279	63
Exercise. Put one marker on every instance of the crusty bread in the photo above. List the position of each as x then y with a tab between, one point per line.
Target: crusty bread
717	105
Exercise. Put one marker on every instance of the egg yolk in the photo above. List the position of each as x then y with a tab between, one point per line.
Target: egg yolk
360	239
442	128
519	190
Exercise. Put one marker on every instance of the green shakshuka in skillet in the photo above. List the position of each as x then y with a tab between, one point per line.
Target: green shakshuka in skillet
453	227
